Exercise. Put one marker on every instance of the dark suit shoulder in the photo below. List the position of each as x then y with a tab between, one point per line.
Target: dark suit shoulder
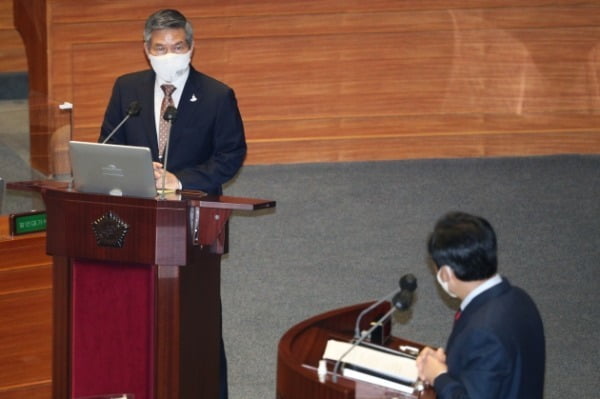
502	293
207	83
499	300
516	296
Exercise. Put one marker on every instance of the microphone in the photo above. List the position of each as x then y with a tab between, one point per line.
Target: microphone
133	110
401	301
170	115
408	282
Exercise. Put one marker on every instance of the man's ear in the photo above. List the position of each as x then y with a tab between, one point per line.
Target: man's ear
447	273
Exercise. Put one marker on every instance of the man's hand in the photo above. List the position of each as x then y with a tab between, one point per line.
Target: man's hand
430	364
171	181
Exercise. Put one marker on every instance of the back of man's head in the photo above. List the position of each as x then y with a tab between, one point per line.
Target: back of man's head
467	244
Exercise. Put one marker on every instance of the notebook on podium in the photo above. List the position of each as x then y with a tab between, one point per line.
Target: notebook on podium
112	169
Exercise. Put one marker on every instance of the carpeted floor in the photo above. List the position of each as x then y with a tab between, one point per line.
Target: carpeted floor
344	233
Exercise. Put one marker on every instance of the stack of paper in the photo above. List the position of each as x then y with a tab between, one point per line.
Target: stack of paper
374	366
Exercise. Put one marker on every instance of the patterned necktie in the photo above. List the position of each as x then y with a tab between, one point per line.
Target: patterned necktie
163	125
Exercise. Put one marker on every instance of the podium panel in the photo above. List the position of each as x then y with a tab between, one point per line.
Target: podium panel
112	347
136	291
121	229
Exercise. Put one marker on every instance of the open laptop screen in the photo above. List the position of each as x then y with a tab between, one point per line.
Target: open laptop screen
112	169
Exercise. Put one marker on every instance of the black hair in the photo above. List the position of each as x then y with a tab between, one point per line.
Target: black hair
168	19
467	244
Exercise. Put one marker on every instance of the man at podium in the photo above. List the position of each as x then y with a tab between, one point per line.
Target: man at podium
206	142
496	348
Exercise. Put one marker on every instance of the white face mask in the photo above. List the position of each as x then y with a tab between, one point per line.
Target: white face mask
444	284
170	66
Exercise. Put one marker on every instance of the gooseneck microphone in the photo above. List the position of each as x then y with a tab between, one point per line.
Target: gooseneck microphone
133	110
170	115
407	283
401	301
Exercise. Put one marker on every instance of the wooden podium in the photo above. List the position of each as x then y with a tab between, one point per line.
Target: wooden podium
302	346
136	291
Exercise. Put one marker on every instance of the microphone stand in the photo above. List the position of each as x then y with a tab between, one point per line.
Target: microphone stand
67	106
401	300
408	282
134	109
367	333
169	116
357	334
116	128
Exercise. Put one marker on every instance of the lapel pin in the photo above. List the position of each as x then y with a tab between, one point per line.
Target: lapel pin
193	99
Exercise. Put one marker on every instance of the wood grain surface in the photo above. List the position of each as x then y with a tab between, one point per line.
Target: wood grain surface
321	81
25	315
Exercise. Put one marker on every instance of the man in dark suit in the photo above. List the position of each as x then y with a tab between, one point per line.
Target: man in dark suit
207	145
497	346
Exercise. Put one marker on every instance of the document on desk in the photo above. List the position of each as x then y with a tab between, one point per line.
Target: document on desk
382	364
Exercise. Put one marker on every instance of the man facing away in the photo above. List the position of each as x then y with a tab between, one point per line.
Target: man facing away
497	347
207	144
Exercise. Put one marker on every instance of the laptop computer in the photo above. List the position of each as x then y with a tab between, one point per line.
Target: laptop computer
112	169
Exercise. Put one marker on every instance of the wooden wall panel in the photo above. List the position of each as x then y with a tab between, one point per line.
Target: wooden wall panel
12	54
12	50
336	79
25	316
25	331
435	146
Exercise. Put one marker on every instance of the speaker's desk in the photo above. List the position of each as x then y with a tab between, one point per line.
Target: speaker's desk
136	291
301	348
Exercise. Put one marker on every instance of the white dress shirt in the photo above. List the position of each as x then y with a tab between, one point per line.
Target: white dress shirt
179	83
486	285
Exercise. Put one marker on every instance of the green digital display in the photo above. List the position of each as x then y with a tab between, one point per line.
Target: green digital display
30	222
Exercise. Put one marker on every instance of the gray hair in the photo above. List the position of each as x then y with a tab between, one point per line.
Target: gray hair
168	19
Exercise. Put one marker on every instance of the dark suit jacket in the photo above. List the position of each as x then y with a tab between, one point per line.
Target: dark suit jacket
496	349
207	145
